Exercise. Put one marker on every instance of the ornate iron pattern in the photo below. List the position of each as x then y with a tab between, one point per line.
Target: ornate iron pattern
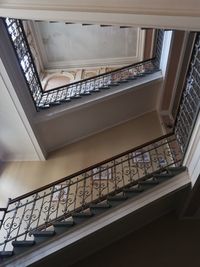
75	90
190	102
158	46
21	47
39	209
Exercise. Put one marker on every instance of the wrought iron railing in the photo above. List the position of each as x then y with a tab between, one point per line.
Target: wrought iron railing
24	56
190	102
58	201
63	94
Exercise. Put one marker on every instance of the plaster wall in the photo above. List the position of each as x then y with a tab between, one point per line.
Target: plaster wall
17	178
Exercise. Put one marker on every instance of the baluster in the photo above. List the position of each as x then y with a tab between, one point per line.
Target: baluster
21	220
49	206
30	217
11	224
76	191
40	210
84	189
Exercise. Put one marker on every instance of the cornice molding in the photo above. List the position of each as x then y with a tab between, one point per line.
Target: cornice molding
164	8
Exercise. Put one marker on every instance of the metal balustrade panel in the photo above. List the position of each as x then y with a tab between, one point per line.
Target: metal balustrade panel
190	102
63	94
24	56
60	200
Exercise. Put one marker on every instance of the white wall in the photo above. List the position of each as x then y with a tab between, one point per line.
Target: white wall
84	117
73	45
17	141
192	157
17	178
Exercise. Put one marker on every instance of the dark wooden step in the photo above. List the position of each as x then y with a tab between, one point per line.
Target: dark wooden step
41	236
163	175
132	78
96	90
56	103
114	84
64	100
64	224
20	246
149	182
83	214
44	107
116	200
6	254
61	227
99	208
176	170
134	189
75	96
81	217
85	93
23	243
100	205
124	81
43	233
104	87
140	75
130	192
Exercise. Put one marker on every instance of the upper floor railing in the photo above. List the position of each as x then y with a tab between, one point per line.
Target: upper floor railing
190	101
45	99
58	201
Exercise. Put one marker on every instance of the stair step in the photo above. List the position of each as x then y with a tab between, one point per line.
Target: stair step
61	227
149	182
85	93
64	224
23	243
140	74
114	84
43	233
75	97
133	190
99	208
65	100
96	90
149	71
105	87
56	103
117	198
83	215
44	107
123	81
41	236
163	175
176	170
132	78
5	254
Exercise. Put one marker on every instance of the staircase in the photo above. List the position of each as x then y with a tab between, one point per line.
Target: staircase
37	217
65	94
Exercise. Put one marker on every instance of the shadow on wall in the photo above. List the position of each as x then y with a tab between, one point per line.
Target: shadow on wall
163	243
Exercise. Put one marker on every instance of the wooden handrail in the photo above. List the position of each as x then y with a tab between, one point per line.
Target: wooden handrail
88	168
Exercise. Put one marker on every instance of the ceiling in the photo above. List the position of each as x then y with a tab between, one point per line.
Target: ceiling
64	46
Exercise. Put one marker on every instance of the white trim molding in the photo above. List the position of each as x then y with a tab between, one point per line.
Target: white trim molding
160	14
36	151
192	157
